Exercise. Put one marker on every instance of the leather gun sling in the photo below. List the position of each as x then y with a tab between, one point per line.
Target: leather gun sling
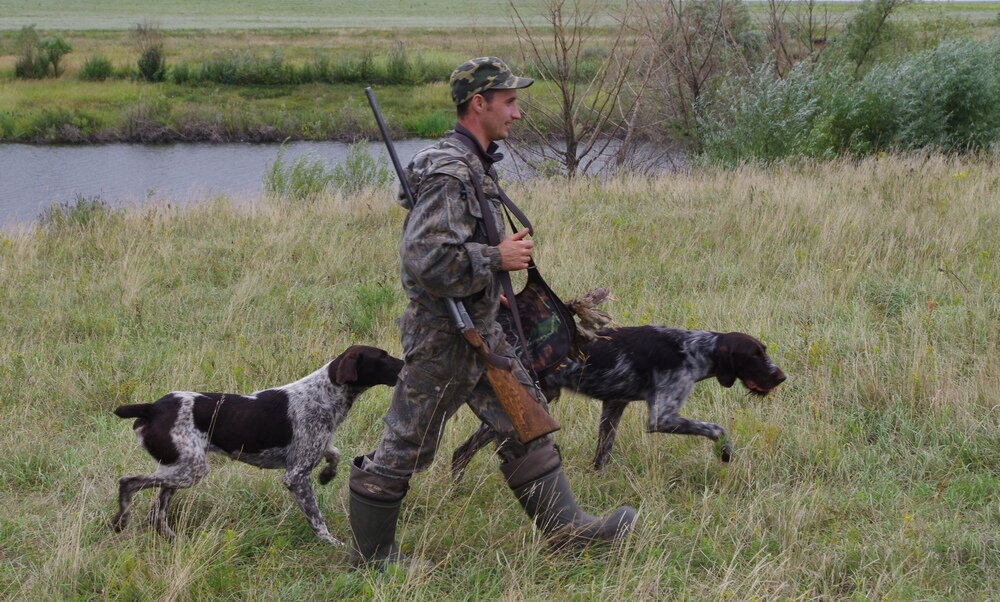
493	236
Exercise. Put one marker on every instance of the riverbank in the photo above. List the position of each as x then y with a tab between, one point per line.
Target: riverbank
229	82
872	473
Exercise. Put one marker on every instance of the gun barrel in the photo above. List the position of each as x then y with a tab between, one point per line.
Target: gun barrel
388	144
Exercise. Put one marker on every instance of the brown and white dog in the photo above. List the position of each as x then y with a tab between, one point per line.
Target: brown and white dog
289	427
659	365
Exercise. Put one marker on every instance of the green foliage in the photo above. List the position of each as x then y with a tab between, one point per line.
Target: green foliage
360	170
302	179
307	177
947	98
80	213
59	124
244	68
152	65
97	67
39	57
148	40
53	49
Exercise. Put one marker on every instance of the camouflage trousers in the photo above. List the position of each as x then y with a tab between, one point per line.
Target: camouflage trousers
442	373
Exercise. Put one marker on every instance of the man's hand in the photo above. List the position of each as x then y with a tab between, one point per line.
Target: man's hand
515	252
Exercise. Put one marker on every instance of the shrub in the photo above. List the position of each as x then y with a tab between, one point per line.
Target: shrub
946	99
949	97
53	49
97	67
304	178
31	63
360	170
148	40
152	66
80	212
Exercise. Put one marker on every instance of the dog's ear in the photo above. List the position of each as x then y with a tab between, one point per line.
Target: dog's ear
725	371
346	367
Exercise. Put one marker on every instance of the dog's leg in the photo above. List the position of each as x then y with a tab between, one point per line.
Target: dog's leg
611	414
464	452
679	425
158	512
332	457
297	481
186	472
127	487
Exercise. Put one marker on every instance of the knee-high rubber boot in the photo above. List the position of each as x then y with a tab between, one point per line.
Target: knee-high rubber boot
373	510
538	481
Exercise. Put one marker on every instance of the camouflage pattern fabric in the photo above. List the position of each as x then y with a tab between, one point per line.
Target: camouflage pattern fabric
444	253
482	74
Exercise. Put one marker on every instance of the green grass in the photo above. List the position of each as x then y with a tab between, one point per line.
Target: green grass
255	14
872	473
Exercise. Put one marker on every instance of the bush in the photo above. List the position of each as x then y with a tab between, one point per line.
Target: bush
97	67
39	57
152	66
304	178
949	97
53	49
80	212
945	99
360	170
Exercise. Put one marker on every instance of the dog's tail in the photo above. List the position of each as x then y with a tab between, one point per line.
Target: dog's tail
136	410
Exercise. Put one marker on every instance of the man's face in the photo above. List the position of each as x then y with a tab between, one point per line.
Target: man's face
499	113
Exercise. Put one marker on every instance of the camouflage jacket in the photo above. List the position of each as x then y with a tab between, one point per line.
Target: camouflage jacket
444	250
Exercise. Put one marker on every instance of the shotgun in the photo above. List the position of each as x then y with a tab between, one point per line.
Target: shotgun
529	419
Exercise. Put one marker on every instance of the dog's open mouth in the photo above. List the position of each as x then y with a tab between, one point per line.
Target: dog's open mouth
755	388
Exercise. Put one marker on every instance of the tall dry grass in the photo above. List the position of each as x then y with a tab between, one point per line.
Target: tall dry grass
872	473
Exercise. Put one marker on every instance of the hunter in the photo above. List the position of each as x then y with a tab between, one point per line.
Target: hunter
445	253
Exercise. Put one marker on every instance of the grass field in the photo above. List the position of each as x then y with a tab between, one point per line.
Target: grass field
374	14
872	473
67	110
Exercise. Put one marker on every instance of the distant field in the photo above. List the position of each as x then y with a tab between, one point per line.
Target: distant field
379	14
252	14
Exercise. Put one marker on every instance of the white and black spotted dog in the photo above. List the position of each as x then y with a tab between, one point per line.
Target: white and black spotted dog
659	365
287	427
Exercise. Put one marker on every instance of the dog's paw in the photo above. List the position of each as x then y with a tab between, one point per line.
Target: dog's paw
326	475
119	522
723	449
331	539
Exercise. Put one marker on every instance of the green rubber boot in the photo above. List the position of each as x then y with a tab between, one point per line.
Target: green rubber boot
540	485
373	511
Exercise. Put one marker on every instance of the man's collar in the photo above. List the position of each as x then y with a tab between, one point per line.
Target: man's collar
489	156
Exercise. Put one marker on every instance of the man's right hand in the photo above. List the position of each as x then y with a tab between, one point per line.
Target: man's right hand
515	252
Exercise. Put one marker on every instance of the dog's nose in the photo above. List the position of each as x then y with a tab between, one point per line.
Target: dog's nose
779	377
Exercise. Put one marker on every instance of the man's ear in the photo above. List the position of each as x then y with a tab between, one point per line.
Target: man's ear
478	103
347	367
724	370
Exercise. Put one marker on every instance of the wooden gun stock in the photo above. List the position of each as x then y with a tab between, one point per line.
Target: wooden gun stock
530	420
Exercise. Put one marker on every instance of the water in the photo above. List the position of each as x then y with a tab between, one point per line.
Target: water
124	175
34	177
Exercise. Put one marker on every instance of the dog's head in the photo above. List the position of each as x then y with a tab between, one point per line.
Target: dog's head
741	356
363	366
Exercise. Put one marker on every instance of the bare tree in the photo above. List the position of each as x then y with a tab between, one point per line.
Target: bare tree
587	117
694	43
796	31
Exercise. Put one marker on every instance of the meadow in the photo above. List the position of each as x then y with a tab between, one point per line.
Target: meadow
257	71
872	473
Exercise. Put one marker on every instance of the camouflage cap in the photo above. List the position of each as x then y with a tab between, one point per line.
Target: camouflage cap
479	75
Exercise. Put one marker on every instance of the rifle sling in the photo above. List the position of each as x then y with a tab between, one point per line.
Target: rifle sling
493	235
